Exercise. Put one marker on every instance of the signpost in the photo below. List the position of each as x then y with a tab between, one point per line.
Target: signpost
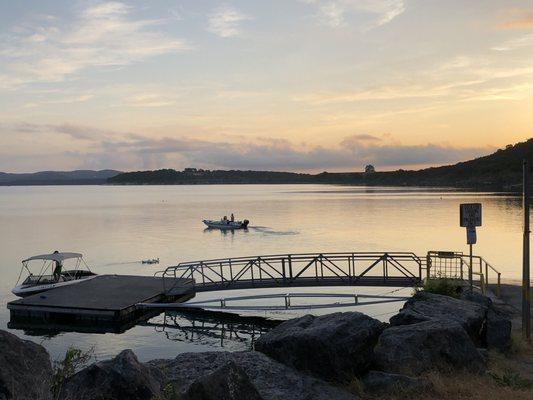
470	217
526	300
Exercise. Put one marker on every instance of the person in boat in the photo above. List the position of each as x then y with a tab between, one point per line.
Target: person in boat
232	217
225	219
58	268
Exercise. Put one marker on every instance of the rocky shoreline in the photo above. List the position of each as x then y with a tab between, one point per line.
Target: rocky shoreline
303	358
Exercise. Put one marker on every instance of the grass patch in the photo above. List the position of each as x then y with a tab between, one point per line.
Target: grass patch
512	379
445	286
509	376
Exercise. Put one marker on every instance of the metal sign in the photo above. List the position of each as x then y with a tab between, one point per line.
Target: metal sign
471	237
470	215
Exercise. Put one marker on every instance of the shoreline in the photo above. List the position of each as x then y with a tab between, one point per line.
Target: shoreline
425	351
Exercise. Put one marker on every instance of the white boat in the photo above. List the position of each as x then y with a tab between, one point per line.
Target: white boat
151	261
45	279
226	224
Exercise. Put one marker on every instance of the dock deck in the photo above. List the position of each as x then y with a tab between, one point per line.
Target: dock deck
109	298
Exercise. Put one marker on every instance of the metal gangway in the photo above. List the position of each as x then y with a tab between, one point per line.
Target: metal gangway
395	269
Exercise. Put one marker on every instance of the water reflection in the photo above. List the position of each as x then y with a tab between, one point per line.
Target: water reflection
115	225
212	329
55	325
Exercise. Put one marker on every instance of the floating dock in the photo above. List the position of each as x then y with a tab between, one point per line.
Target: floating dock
103	299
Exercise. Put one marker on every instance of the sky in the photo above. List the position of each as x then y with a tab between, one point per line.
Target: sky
295	85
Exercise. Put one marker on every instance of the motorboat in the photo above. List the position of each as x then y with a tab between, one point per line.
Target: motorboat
41	277
151	261
226	224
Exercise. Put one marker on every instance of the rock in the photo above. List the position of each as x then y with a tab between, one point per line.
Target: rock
434	344
484	353
476	297
498	331
382	382
271	379
123	377
335	347
425	306
228	382
25	369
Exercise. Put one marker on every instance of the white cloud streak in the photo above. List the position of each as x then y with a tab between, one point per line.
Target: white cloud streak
226	21
335	13
103	35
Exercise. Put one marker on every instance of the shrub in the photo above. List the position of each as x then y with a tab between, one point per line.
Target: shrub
512	379
74	360
445	286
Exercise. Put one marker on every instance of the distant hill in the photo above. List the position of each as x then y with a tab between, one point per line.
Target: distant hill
191	176
501	170
78	177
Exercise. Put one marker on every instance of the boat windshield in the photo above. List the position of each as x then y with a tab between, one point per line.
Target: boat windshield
43	279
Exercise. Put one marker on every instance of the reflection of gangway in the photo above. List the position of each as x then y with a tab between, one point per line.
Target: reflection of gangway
183	327
225	304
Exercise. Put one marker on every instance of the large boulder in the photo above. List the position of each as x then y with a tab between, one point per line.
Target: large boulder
425	306
476	297
335	347
378	382
228	382
123	377
499	328
435	344
270	379
498	325
25	369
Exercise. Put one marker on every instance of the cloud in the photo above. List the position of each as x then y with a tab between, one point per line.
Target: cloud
74	131
280	154
226	21
334	13
98	148
521	19
149	100
102	35
460	78
515	43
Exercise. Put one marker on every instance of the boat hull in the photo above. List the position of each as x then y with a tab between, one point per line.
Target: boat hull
226	224
29	290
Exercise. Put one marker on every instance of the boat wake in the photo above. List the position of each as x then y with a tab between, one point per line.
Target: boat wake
269	231
118	263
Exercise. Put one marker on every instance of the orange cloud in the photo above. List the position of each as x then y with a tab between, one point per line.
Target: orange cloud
524	21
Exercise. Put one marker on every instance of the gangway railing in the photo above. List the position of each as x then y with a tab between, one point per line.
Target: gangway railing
400	269
455	265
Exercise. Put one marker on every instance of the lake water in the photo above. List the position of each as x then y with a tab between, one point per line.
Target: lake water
116	226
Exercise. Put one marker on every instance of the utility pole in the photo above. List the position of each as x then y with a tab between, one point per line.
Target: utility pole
526	299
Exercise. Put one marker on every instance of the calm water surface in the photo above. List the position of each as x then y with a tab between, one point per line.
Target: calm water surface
115	227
